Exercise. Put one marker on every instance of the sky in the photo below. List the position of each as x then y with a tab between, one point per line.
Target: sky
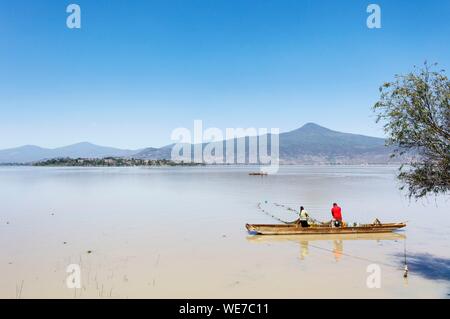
137	70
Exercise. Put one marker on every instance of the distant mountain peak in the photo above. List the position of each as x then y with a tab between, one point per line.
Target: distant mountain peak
29	146
313	126
83	144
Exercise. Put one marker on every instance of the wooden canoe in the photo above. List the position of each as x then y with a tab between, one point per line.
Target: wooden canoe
294	229
258	174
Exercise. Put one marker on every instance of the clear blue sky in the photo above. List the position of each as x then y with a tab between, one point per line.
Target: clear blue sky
138	69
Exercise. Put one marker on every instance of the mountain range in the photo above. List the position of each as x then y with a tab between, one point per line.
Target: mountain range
31	153
311	143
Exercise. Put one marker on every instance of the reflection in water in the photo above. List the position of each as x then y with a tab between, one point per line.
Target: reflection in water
338	241
338	249
304	251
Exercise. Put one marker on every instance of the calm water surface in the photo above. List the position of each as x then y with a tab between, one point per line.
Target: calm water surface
179	232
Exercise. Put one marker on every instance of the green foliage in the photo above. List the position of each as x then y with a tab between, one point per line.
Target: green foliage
416	115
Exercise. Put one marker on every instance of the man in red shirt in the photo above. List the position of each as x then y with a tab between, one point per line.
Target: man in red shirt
337	215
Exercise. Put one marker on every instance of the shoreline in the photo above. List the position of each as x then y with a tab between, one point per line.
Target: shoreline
207	165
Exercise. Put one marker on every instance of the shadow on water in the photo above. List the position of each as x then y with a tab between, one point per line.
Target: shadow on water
427	265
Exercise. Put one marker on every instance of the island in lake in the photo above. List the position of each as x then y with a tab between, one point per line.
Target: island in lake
110	162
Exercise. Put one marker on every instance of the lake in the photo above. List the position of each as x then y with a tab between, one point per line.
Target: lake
180	233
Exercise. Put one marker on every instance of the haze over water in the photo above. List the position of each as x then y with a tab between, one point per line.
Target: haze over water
179	232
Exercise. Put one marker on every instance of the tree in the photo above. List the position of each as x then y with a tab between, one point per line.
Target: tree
415	111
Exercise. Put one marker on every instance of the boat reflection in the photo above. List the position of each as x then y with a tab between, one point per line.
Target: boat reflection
338	249
337	240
